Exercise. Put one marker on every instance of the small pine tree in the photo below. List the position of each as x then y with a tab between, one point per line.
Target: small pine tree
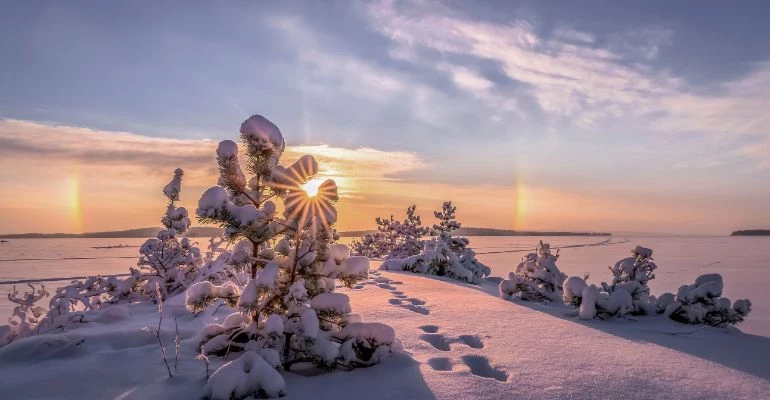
444	255
168	264
287	311
537	278
394	239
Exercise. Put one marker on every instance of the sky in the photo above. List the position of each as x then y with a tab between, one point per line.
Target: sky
592	115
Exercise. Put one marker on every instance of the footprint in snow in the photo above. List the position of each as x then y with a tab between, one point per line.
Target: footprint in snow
440	364
472	341
479	366
437	340
416	308
441	342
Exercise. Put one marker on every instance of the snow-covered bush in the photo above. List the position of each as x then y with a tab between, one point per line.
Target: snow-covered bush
631	275
167	265
444	255
628	294
701	303
393	239
537	278
287	312
26	315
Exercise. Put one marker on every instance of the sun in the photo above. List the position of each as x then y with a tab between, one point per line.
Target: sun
311	187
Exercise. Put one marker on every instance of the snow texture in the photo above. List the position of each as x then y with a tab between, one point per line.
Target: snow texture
248	375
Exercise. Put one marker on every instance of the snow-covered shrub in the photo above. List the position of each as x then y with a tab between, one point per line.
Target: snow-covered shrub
701	303
167	265
69	304
26	315
393	239
537	278
631	275
287	312
444	255
628	294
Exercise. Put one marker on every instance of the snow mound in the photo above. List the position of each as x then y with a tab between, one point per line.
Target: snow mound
248	375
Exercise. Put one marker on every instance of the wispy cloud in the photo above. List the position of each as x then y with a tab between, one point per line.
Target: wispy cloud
37	161
573	76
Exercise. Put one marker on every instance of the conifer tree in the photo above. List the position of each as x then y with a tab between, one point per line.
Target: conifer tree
287	310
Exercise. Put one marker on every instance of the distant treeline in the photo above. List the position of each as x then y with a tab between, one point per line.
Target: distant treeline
198	231
205	231
495	232
752	232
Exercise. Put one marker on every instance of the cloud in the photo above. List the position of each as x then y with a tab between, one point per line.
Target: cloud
569	34
119	175
595	84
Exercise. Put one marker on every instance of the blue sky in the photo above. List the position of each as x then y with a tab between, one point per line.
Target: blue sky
656	100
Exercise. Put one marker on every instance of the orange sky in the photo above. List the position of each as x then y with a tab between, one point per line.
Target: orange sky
67	179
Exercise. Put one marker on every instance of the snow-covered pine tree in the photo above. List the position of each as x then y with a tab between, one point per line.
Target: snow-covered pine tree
393	239
287	311
702	303
537	278
444	255
166	262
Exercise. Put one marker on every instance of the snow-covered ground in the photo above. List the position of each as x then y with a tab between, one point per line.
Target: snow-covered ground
459	342
743	262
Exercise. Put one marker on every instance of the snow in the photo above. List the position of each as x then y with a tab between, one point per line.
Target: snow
172	189
309	320
339	252
460	342
573	287
589	296
331	302
258	131
246	214
212	200
248	375
227	149
273	324
446	356
231	175
642	251
249	295
268	275
376	331
356	266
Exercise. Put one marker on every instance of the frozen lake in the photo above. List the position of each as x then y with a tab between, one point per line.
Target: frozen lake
743	261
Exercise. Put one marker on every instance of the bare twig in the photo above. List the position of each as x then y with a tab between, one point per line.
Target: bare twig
157	331
176	345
